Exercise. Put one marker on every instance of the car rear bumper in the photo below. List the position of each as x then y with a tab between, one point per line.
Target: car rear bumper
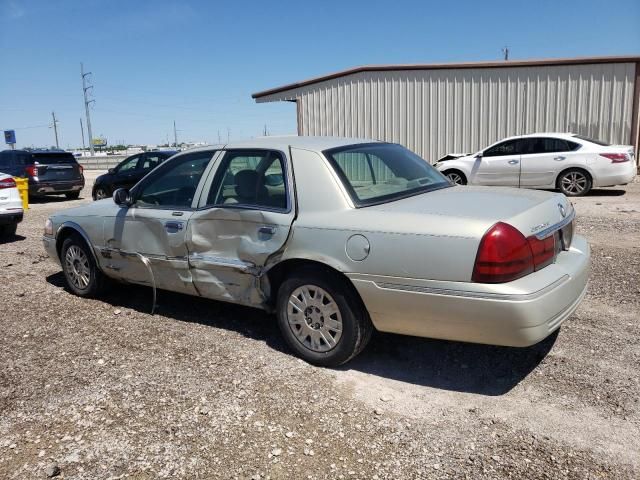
9	217
518	313
45	188
625	173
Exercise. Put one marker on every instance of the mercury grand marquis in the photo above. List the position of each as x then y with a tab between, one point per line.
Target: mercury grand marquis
338	237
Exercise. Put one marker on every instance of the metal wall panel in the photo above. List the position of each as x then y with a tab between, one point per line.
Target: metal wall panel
435	112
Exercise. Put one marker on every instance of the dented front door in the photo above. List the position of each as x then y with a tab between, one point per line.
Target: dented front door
244	219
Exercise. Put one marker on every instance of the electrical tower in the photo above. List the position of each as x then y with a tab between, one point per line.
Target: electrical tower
86	105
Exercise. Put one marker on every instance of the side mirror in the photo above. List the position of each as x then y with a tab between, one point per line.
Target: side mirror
111	171
122	197
479	155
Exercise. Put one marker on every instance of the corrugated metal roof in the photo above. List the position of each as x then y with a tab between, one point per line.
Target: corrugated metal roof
443	66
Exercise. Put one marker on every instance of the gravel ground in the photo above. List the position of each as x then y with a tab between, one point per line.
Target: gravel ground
98	389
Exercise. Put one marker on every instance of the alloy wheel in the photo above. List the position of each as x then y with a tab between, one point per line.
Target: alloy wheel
456	178
101	193
77	267
314	318
574	182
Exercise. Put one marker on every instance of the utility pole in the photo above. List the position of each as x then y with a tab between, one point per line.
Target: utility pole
228	134
55	127
175	135
265	132
505	51
86	105
219	141
82	132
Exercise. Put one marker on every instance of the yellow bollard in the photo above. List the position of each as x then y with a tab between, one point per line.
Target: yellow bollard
23	188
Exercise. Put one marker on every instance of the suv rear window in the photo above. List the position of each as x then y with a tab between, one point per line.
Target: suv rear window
592	140
53	158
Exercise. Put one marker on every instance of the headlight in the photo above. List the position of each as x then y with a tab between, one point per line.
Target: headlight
48	227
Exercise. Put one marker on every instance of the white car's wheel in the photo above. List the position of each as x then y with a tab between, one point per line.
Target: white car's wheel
574	182
456	177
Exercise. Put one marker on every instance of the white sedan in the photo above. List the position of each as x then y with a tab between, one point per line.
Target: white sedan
570	163
10	206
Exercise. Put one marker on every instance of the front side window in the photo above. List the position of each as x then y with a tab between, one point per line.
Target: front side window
128	165
375	173
251	179
509	147
174	184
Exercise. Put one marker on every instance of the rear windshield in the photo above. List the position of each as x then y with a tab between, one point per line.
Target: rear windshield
375	173
51	158
592	140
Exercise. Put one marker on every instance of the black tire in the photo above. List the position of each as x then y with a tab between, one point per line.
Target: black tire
356	325
461	178
101	192
8	231
72	195
95	279
574	182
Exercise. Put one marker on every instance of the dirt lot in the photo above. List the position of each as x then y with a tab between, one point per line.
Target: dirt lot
102	389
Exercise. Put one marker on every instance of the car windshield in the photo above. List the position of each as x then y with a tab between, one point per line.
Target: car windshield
375	173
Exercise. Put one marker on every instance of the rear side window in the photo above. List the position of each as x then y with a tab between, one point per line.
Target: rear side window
53	158
550	145
250	179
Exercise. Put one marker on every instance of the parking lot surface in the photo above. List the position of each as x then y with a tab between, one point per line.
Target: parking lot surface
102	389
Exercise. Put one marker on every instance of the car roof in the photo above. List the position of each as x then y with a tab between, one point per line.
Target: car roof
543	134
284	142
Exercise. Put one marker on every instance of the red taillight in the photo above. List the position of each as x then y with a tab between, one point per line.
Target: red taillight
81	169
616	157
544	251
7	183
32	170
504	255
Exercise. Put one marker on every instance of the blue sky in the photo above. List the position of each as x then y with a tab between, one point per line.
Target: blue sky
197	62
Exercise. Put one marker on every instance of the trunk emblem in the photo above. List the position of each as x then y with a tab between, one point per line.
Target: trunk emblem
563	211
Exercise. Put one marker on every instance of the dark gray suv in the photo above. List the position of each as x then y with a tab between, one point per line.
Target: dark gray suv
50	172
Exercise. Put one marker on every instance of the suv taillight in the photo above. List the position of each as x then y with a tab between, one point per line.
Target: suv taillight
7	183
32	170
80	169
616	157
505	254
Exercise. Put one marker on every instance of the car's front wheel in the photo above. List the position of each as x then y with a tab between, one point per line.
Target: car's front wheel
100	192
72	195
456	177
80	270
321	317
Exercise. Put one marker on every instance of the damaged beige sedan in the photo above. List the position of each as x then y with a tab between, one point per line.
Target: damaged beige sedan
337	237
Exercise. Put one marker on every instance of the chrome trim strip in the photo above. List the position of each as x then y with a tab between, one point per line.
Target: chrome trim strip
549	230
204	261
468	294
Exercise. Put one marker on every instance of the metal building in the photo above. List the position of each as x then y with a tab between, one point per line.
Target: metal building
447	108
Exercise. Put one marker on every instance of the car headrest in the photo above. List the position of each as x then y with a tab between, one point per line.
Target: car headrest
247	184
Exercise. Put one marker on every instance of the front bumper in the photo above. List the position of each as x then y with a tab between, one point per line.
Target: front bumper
518	313
49	244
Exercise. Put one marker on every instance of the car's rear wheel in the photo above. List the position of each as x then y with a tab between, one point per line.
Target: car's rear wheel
574	182
456	177
8	230
80	270
72	195
100	193
321	318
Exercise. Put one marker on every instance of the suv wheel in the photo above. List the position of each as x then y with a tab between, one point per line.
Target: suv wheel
72	195
8	230
321	318
80	270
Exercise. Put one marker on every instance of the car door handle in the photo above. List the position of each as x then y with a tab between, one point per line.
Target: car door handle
559	158
173	227
513	162
267	230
